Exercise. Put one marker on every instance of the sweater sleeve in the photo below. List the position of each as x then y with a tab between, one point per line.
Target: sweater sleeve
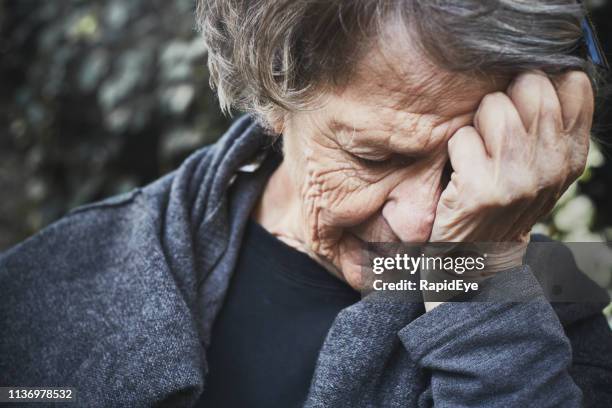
495	354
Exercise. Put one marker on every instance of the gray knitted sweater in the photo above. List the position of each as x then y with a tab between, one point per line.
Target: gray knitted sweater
117	300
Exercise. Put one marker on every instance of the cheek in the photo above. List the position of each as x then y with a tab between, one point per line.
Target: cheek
337	194
334	200
348	201
333	192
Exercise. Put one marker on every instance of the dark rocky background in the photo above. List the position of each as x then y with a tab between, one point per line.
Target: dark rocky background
97	97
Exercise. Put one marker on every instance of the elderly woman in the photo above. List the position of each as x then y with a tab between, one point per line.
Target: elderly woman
233	281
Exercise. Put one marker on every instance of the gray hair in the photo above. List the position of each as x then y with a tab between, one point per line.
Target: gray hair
272	56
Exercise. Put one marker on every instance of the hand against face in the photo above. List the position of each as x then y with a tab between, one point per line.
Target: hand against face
526	147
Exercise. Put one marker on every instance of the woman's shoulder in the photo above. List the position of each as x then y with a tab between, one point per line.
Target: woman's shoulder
82	233
93	283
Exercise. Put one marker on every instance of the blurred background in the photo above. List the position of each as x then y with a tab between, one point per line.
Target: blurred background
97	97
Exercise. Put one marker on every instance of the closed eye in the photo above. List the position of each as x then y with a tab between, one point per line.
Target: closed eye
395	160
369	162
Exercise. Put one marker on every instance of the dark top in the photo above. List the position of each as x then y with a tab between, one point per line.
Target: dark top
266	339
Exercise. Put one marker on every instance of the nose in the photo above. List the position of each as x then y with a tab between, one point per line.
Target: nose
410	208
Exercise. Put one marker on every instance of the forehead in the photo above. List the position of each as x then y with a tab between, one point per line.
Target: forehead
398	96
396	72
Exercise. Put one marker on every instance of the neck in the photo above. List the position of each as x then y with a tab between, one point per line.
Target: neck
278	211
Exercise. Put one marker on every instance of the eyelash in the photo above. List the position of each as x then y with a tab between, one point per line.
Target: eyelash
369	162
401	161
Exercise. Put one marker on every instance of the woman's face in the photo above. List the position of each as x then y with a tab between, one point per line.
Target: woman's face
369	164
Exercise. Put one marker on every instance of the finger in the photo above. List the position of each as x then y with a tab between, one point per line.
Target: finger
577	101
499	124
577	105
537	103
466	150
536	100
576	163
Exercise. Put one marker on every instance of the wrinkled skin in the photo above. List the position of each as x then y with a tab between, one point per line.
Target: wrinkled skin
371	164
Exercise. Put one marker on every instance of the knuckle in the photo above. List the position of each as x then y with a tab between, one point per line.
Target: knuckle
577	164
577	168
461	133
493	98
491	105
458	136
526	80
578	80
517	83
463	130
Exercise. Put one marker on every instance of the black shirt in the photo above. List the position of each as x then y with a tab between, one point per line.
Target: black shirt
266	339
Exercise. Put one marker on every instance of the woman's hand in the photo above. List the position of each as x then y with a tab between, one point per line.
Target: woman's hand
526	147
